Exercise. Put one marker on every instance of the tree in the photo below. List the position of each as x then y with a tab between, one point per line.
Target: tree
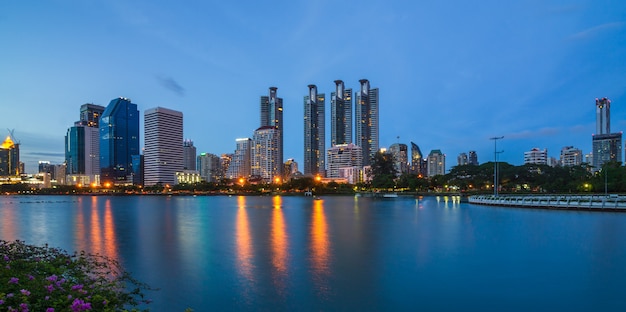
383	171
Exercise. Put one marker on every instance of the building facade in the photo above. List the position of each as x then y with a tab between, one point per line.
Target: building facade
266	163
210	167
189	155
272	116
340	115
603	116
314	133
119	141
473	158
419	164
571	156
400	154
436	163
536	156
366	121
240	162
343	156
462	159
163	154
9	158
606	148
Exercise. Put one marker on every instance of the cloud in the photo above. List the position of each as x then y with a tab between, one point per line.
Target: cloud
527	134
171	84
593	31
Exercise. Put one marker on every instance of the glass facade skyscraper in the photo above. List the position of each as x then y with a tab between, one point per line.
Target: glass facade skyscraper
272	116
366	121
314	132
340	115
119	140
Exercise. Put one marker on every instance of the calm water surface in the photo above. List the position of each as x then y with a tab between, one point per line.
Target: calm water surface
339	253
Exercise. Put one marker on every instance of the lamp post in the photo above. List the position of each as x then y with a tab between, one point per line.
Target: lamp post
495	164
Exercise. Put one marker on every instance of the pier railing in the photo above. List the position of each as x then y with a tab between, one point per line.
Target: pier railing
573	202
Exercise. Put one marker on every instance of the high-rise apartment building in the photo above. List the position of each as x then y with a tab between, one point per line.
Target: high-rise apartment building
419	164
314	133
340	115
119	141
366	120
210	167
163	154
265	154
240	162
536	156
344	156
436	163
400	154
272	116
571	156
473	158
606	146
462	159
189	155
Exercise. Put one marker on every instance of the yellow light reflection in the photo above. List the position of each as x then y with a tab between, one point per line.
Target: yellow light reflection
110	244
243	239
9	224
279	241
320	246
96	233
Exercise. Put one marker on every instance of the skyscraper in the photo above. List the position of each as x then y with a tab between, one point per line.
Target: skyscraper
82	146
462	159
340	115
473	158
209	166
400	155
163	155
366	120
436	163
272	116
189	155
240	162
314	132
606	146
419	164
9	157
264	151
119	140
603	116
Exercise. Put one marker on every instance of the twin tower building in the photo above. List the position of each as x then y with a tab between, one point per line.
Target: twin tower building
102	148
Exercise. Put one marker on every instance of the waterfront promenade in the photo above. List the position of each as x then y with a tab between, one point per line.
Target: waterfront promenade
570	202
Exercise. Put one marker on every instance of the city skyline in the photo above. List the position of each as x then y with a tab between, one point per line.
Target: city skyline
450	75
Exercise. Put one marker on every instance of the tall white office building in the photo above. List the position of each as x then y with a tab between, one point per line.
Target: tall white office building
163	155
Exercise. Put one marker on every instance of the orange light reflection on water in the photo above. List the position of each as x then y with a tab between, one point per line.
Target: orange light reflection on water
243	239
99	236
279	242
320	246
9	224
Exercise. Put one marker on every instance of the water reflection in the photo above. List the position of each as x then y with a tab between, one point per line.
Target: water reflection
244	240
9	222
99	237
320	248
279	242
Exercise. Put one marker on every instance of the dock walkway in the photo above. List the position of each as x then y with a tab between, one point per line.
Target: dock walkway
611	202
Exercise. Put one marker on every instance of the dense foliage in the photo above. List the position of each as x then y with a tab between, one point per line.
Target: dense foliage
41	278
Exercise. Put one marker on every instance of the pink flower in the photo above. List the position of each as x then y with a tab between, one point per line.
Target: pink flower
14	280
25	292
50	310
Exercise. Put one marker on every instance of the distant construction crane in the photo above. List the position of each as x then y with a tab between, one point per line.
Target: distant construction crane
12	135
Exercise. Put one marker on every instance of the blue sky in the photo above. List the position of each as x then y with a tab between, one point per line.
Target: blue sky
451	74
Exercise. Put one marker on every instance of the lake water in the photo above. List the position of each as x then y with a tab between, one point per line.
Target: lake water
339	253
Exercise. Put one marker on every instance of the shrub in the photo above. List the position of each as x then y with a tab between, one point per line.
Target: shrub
41	278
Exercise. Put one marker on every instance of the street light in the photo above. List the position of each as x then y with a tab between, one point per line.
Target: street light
495	164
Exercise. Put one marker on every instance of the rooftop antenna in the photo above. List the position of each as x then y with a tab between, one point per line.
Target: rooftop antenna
12	135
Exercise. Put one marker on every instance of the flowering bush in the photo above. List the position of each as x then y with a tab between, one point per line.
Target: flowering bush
34	278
